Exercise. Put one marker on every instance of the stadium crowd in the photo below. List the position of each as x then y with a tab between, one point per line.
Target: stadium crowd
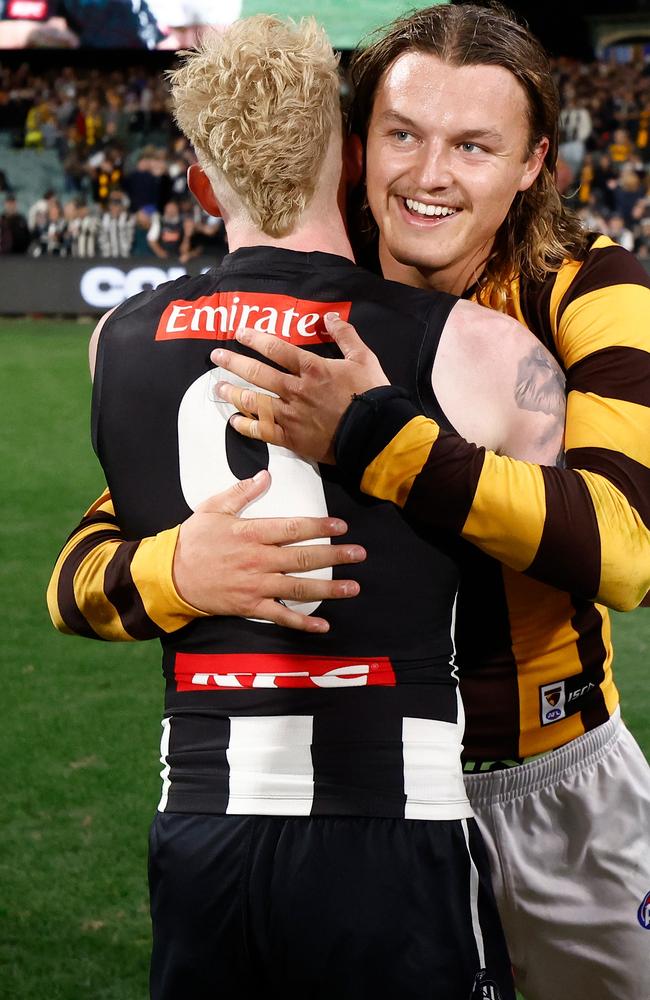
121	188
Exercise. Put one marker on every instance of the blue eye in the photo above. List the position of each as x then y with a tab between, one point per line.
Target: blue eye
469	147
401	135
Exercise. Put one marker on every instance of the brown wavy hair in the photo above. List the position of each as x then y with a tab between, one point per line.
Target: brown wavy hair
539	231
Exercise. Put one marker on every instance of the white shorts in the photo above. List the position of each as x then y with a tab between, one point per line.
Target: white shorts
568	837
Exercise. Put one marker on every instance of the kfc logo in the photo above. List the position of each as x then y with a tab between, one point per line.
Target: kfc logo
253	671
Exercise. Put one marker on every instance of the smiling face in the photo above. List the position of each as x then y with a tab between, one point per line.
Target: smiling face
447	151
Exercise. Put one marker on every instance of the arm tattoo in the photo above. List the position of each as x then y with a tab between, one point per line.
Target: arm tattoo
540	384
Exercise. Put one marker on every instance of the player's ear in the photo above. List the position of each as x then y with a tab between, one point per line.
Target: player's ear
353	160
199	184
534	164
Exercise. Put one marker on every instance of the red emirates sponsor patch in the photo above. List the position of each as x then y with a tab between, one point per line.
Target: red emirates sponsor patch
217	317
27	10
238	671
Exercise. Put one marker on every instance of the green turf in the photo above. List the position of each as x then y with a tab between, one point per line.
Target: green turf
80	720
80	726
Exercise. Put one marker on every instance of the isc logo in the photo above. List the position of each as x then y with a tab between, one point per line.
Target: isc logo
644	912
583	690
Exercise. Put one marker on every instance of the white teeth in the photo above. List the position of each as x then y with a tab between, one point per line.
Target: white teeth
422	209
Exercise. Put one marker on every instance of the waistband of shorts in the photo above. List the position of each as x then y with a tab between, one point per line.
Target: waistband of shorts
493	786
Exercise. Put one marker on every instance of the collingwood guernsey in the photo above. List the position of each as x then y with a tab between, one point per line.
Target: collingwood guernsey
366	719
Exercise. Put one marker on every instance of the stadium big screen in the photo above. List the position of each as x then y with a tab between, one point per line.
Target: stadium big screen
171	24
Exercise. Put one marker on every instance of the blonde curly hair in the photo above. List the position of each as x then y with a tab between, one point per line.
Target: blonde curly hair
259	103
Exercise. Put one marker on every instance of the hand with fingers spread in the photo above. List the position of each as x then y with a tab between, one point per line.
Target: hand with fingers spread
227	565
312	393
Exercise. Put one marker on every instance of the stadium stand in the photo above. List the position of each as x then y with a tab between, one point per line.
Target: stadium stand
71	138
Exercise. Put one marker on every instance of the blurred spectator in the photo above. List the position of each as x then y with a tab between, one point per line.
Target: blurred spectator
116	120
34	120
70	154
116	228
40	208
92	126
168	235
49	231
144	185
620	149
628	192
619	232
106	178
642	240
592	218
14	231
182	157
82	230
643	130
50	127
206	237
141	246
598	179
575	130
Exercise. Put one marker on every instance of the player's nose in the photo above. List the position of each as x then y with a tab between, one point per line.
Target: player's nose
433	168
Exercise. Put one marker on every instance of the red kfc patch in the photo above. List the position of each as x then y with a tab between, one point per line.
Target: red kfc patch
237	671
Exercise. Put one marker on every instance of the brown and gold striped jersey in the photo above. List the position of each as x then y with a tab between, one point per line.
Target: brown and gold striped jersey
535	661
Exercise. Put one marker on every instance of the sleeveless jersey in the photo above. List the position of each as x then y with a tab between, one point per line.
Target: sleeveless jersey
364	720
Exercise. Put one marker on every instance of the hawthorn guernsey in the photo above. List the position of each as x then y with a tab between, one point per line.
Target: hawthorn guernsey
218	316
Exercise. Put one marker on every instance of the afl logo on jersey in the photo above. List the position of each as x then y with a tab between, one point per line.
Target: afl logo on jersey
644	912
552	698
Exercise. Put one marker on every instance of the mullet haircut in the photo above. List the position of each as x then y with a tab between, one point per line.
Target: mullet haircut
258	102
539	232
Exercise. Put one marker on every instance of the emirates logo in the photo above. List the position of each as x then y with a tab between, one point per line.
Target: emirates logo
218	316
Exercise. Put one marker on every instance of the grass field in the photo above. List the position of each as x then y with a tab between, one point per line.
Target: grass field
80	729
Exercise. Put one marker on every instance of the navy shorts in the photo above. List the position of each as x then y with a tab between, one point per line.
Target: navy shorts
323	908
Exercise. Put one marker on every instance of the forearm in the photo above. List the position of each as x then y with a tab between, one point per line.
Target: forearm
573	529
104	587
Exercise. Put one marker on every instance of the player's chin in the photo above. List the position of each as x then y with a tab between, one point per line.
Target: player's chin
422	253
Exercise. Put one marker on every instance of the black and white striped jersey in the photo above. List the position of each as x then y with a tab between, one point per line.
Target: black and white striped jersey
364	720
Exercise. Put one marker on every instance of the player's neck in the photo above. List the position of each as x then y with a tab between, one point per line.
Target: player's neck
455	278
328	236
